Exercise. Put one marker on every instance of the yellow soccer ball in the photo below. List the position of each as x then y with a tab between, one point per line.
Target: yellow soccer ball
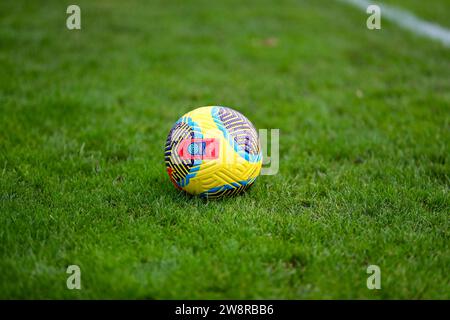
213	152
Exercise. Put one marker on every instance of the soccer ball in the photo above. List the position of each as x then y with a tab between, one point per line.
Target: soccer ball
213	152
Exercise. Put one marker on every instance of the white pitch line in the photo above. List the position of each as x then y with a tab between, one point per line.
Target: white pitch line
407	21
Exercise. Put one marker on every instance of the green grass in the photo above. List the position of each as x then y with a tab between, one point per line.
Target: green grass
364	169
436	11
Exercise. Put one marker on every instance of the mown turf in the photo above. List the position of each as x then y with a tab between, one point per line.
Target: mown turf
364	170
435	11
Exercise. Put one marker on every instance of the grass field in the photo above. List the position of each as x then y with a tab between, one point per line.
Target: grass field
364	119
